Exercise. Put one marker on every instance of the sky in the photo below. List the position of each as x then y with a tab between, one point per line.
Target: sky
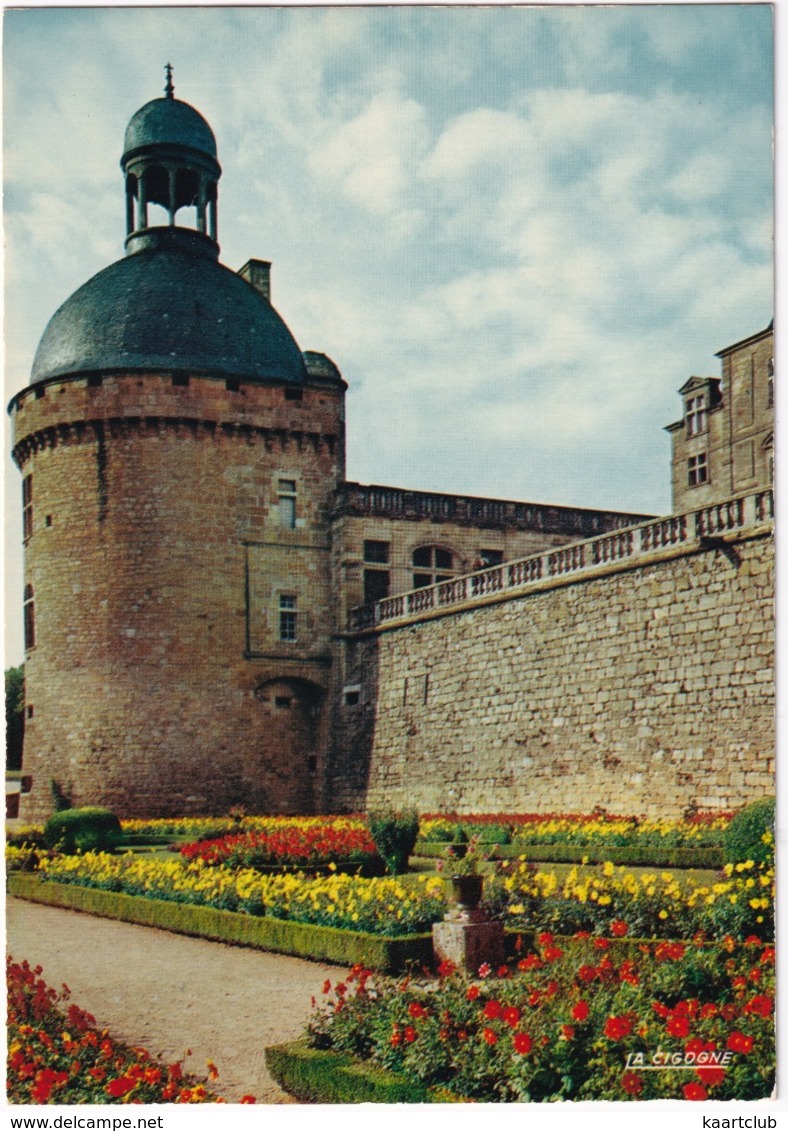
517	231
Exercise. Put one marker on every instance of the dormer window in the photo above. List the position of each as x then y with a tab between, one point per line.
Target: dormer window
696	415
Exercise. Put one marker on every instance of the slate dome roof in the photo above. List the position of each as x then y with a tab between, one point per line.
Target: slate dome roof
168	121
167	308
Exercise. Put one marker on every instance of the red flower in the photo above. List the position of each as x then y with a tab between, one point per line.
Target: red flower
504	972
492	1010
490	1036
568	1032
247	1099
602	944
711	1076
616	1028
678	1026
632	1083
695	1092
752	940
740	1042
416	1010
660	1009
761	1004
511	1015
485	970
580	1011
545	939
532	962
446	968
618	928
120	1087
552	953
767	958
587	973
327	986
472	993
522	1043
708	1010
409	1034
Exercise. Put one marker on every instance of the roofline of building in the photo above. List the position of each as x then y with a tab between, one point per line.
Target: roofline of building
747	341
489	499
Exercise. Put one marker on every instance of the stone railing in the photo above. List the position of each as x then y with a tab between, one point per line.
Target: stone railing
632	546
468	510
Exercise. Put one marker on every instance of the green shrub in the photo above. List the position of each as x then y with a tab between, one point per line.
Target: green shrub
394	832
83	830
493	834
744	836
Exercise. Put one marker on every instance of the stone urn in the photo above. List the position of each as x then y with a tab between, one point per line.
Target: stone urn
466	891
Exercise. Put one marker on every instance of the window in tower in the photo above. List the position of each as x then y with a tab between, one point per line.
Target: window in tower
431	565
288	618
29	618
27	507
287	503
697	470
696	415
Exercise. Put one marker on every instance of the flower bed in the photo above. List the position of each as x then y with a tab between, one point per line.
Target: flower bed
598	831
304	940
654	904
57	1055
384	906
303	845
569	1023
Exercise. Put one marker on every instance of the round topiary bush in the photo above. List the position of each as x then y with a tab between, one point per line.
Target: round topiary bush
744	836
83	830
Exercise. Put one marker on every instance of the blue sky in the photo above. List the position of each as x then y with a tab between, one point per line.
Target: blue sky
517	231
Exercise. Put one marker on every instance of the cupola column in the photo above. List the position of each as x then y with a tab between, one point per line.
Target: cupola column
212	218
202	203
172	206
142	202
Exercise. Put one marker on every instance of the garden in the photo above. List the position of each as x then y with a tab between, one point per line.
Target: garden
612	958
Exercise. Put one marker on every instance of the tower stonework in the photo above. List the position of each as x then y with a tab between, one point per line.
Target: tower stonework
180	457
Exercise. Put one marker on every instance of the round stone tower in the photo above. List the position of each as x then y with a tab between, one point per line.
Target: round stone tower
179	457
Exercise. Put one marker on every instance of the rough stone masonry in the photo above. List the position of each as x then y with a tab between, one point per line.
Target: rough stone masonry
646	689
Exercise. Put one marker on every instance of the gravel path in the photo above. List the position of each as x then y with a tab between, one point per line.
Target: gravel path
168	993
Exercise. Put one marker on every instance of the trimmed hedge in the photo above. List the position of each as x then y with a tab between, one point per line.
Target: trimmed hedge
303	940
328	1077
83	830
639	857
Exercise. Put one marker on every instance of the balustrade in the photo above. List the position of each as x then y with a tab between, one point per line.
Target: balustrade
613	548
718	518
633	544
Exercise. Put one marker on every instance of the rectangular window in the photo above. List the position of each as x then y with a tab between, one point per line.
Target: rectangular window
696	416
287	503
27	507
376	585
697	470
377	552
491	557
29	618
287	618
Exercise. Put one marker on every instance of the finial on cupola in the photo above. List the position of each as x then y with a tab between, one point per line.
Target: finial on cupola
169	89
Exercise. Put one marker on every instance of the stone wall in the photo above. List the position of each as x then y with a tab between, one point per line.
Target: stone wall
641	686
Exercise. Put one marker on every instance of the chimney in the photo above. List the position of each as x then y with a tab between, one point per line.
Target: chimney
257	272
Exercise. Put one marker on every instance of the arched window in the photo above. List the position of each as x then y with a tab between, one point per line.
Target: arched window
30	618
431	564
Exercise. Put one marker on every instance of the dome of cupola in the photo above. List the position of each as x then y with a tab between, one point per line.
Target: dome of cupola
169	305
